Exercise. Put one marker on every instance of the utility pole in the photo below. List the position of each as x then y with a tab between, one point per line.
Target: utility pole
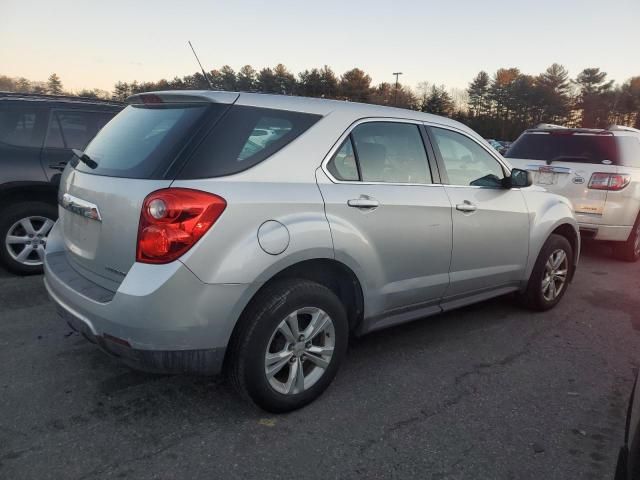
395	97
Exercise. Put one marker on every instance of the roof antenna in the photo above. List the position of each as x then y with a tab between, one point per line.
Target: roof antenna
201	67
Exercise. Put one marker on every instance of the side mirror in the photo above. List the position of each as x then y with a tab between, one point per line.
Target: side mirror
520	178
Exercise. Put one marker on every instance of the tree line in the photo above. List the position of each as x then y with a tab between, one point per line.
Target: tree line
497	106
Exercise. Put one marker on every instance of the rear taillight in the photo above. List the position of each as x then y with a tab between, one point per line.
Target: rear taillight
609	181
173	220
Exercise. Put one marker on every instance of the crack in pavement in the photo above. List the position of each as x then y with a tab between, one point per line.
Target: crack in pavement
478	369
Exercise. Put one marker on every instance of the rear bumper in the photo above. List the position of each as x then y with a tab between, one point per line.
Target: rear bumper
162	318
203	362
605	232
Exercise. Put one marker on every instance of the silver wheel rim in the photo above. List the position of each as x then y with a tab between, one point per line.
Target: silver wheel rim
299	351
27	239
555	275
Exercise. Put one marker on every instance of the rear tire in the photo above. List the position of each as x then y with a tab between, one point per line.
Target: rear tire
23	232
277	333
629	251
550	276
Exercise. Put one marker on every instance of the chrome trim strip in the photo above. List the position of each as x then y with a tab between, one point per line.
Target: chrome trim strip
80	207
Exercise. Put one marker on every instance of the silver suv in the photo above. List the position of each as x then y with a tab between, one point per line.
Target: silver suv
202	230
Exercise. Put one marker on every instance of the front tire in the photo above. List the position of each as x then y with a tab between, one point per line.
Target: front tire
551	274
24	228
629	251
288	345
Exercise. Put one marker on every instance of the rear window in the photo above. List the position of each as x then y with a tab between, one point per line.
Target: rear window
244	137
143	141
563	147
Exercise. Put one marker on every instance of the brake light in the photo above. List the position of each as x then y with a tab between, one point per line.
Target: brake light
173	220
609	181
151	99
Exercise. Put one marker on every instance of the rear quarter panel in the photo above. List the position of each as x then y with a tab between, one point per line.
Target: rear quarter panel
281	188
230	251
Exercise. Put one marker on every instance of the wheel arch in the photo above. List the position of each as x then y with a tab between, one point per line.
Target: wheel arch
569	232
331	273
28	192
335	275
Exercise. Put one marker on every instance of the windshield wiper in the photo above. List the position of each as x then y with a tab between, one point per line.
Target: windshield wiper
84	158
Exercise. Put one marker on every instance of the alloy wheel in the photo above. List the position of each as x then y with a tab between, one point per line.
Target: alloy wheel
27	238
555	275
300	350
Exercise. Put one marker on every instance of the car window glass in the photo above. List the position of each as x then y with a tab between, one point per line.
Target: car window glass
565	146
244	137
74	129
267	131
343	164
18	127
142	139
465	161
391	152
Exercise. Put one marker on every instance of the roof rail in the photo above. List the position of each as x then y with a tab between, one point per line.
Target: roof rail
622	128
44	96
548	126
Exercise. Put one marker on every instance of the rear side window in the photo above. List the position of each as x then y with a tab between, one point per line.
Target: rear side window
629	148
75	129
20	127
142	141
565	147
343	165
244	137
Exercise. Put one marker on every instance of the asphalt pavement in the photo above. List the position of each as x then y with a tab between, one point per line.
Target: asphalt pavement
487	392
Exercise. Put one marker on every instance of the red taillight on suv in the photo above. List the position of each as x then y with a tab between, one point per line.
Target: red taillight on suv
173	220
609	181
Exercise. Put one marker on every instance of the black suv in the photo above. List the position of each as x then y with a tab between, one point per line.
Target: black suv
37	133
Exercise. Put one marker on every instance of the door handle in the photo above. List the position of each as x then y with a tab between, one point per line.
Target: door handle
466	207
363	203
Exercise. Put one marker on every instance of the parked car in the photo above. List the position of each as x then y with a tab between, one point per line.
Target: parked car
598	170
185	245
497	145
37	133
628	467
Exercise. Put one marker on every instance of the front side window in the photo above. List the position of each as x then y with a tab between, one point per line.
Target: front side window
465	162
391	152
18	127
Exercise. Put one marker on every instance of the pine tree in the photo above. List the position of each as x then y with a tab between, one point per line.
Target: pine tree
54	85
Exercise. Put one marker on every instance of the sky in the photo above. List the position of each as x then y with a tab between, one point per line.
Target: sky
93	44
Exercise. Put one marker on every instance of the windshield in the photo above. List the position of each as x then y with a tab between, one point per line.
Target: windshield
142	141
565	147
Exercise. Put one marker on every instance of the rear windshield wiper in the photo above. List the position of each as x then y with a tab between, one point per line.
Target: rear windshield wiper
84	158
